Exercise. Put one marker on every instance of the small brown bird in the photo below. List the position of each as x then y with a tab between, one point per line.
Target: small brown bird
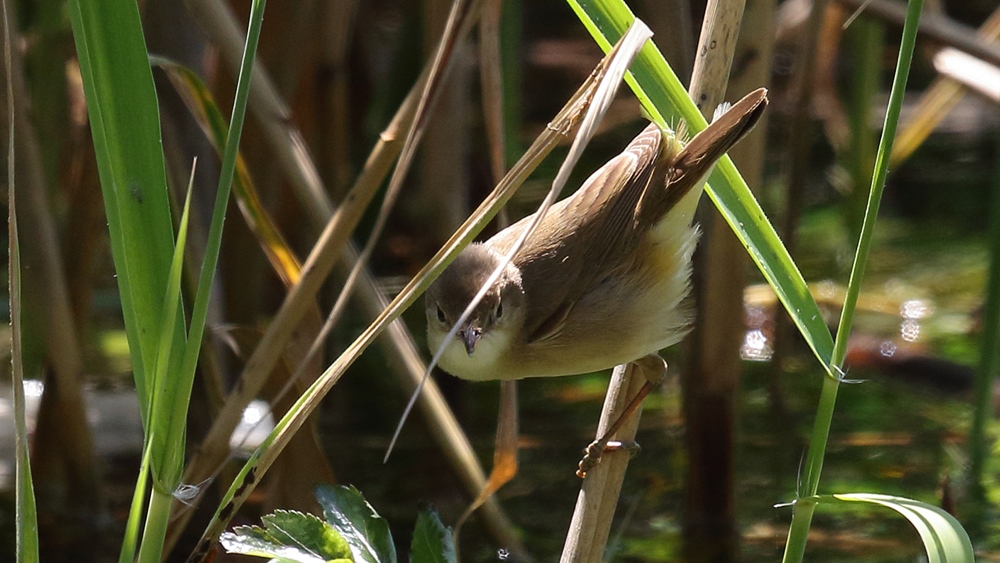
603	279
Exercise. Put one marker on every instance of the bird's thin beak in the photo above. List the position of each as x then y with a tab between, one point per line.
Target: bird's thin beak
470	336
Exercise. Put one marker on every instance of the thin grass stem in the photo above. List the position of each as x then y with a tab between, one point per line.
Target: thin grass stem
802	512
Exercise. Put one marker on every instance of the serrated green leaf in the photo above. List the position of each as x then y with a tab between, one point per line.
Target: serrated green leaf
432	542
289	536
365	531
307	531
245	542
945	540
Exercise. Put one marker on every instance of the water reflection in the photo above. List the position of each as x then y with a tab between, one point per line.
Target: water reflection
909	330
113	414
756	346
255	424
32	396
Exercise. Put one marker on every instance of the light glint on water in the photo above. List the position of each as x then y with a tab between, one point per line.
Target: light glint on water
909	330
255	424
756	347
254	412
33	388
915	309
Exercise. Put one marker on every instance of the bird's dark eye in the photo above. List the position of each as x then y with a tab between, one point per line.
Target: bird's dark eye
440	314
499	312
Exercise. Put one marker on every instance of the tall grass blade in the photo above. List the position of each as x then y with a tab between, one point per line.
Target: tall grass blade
200	308
989	352
199	313
26	525
125	124
124	120
802	512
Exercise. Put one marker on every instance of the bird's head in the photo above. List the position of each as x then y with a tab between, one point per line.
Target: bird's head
486	334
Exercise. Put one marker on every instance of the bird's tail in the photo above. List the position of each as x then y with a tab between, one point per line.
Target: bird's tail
689	168
726	130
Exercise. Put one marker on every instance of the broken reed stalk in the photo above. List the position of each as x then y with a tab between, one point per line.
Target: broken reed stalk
595	505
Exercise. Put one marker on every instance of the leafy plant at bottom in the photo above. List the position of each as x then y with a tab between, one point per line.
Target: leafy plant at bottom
351	530
289	536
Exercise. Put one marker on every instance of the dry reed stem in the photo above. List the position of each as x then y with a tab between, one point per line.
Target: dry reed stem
595	505
935	103
268	107
714	57
712	367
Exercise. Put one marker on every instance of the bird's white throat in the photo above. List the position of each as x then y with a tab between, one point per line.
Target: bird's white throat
483	364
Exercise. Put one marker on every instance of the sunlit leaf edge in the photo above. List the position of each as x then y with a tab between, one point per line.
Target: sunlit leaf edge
944	538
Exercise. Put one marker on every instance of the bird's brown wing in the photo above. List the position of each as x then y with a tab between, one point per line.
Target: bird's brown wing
592	234
584	237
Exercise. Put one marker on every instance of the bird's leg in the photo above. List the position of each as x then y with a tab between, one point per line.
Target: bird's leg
653	368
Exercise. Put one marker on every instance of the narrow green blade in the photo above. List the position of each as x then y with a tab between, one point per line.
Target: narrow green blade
122	106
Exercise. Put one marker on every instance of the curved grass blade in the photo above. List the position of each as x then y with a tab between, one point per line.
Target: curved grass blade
943	536
24	496
200	102
664	98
